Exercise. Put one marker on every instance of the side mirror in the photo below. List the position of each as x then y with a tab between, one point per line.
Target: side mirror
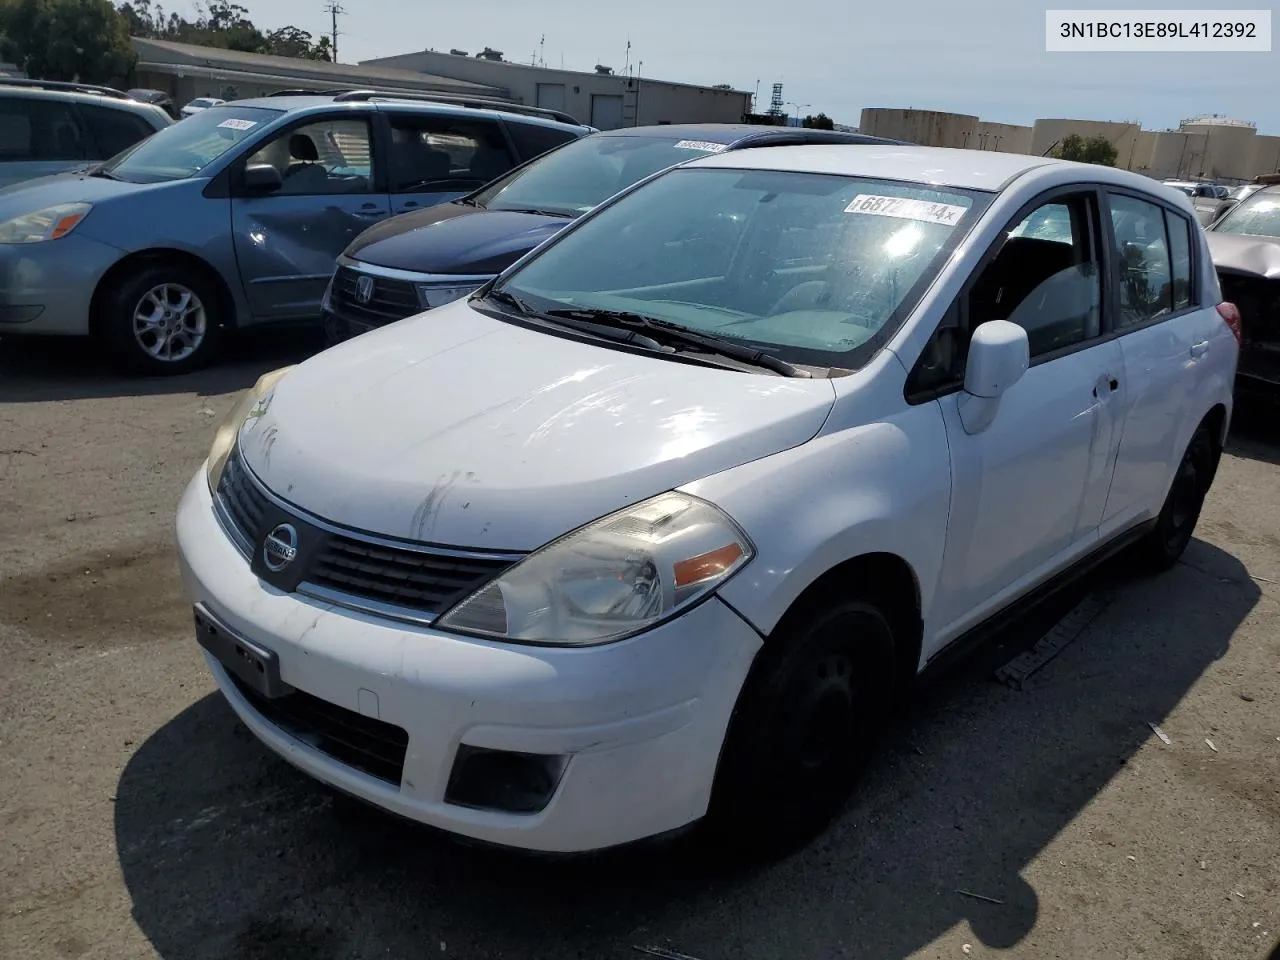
999	354
261	178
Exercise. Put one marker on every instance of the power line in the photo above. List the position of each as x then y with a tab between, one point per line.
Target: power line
334	9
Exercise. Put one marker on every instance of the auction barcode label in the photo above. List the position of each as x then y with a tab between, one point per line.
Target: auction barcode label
1157	31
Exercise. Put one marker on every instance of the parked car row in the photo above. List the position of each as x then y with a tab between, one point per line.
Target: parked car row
654	529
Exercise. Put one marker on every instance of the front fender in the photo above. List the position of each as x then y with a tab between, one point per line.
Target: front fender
879	487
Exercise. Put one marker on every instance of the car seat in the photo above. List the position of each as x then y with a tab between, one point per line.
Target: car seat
305	174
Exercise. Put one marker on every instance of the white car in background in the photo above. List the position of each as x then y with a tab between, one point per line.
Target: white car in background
656	527
200	104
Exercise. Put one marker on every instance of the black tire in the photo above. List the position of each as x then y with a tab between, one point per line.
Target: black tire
1161	548
806	724
138	350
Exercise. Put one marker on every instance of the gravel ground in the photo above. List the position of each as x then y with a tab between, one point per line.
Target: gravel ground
138	819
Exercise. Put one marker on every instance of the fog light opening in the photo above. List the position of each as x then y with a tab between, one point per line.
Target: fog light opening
503	780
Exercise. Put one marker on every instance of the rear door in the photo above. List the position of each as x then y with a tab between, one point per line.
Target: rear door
39	136
286	241
1165	337
437	157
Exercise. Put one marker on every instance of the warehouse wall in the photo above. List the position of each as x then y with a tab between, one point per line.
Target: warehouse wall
1266	155
1047	133
1004	137
930	128
587	96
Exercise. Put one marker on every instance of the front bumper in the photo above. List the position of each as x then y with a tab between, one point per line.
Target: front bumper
641	721
46	288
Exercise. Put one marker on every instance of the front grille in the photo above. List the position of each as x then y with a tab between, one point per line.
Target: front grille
392	299
404	578
362	572
370	746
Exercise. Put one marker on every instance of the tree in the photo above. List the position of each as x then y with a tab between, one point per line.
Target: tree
1098	150
296	42
80	40
820	122
224	24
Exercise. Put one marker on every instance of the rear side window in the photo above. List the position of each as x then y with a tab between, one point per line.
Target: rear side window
1145	273
1180	255
533	140
114	130
445	153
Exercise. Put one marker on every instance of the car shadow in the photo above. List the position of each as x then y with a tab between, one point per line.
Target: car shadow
228	852
40	369
1255	431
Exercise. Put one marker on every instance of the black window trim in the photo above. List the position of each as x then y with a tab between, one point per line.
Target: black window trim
957	312
385	114
1168	209
232	173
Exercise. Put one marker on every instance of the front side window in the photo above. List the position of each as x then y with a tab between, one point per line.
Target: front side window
444	153
583	175
186	148
114	130
1257	215
809	267
1045	277
1146	276
325	157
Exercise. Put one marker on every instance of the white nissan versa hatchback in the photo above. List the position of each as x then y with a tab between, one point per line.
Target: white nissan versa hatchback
653	529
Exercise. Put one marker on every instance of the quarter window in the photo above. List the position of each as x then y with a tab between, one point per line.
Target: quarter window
1180	255
1144	270
533	140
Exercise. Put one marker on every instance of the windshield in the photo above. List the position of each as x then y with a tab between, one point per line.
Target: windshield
587	172
809	267
1257	215
186	148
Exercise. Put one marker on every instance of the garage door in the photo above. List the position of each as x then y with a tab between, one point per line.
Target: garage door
606	111
551	96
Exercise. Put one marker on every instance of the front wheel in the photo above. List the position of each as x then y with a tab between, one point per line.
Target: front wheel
804	728
1164	545
162	319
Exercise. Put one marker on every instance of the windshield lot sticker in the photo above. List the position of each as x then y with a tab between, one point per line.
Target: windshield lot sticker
906	209
238	124
703	145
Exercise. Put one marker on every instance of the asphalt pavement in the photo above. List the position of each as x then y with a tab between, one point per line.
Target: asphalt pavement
138	818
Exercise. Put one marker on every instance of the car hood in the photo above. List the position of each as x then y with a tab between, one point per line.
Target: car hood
455	428
31	195
454	238
1259	256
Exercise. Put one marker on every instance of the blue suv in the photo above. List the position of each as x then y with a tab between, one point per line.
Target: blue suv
234	217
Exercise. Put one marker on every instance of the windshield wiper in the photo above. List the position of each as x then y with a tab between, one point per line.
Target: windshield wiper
575	323
538	212
675	333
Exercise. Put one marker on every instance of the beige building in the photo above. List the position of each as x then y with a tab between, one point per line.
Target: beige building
602	99
1213	148
186	71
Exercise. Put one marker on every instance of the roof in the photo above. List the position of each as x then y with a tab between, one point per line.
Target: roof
302	102
53	91
165	55
500	65
966	169
737	133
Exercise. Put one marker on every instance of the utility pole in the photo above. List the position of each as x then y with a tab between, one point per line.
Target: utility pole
334	9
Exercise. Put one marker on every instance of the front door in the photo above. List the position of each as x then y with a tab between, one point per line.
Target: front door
1028	491
434	158
286	241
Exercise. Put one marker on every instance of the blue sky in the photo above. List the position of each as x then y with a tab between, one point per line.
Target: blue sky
986	58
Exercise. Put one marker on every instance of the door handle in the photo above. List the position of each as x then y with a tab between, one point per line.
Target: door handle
374	214
1106	384
1198	350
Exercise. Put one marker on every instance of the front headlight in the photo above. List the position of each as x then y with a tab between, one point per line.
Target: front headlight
433	296
609	579
252	403
47	224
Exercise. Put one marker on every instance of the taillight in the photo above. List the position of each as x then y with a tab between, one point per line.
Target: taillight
1230	315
